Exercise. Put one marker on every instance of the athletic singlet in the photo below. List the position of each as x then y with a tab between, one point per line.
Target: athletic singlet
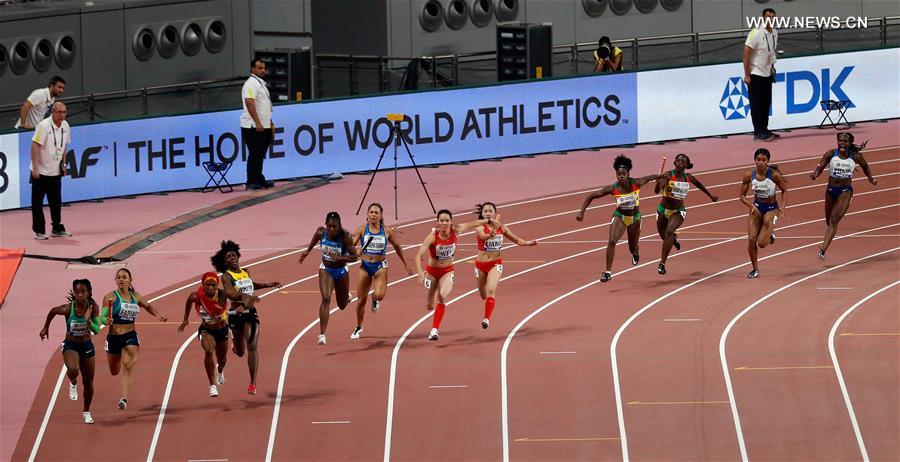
124	312
493	244
77	326
328	246
762	189
443	249
841	169
377	242
627	200
675	188
211	310
242	281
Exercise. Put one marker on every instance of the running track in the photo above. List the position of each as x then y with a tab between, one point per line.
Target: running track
645	367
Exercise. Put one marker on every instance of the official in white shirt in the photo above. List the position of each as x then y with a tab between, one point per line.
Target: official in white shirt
37	107
257	129
760	53
48	164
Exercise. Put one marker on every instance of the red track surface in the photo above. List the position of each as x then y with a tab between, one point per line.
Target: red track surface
560	382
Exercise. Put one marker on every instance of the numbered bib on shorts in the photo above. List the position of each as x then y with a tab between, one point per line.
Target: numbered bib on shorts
626	201
500	269
679	189
244	286
427	283
129	311
444	252
106	346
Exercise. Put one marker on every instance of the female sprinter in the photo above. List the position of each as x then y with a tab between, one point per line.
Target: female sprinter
627	215
671	212
243	318
441	247
77	348
764	209
122	344
373	237
488	264
337	248
211	304
841	162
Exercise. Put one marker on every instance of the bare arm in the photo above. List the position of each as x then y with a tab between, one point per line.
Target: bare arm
35	159
748	53
646	179
150	309
615	62
60	310
423	249
188	304
660	184
251	109
351	251
745	187
463	227
358	234
820	167
590	198
392	238
317	236
865	167
700	186
782	184
23	114
518	240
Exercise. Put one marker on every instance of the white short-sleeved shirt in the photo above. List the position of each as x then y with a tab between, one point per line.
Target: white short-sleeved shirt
54	142
255	88
41	101
765	46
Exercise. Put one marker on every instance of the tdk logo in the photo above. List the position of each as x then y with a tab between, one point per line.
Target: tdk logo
735	104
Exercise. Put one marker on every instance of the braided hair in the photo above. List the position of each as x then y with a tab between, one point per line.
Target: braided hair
90	290
336	217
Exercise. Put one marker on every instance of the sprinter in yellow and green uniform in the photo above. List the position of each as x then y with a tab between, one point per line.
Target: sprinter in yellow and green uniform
627	215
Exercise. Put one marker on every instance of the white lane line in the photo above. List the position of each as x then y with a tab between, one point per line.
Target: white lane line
834	288
503	369
681	319
724	338
840	376
448	386
330	422
207	460
557	353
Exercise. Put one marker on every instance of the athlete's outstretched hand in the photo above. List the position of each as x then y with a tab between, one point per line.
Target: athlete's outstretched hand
580	216
182	326
303	256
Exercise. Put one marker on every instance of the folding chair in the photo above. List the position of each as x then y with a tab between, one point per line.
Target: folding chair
841	106
217	172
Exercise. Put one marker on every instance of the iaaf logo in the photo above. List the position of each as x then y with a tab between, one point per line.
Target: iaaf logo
735	104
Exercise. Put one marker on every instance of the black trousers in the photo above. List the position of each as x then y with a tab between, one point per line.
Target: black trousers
760	93
51	187
257	144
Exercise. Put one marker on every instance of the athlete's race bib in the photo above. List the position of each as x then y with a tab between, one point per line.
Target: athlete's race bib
444	252
376	244
244	286
494	244
78	328
129	311
679	189
626	201
327	250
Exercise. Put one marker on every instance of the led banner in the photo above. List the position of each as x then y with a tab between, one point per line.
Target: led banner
712	100
166	153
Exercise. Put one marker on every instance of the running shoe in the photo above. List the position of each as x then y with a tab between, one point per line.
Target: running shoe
123	403
753	274
375	305
821	255
606	276
73	391
676	244
772	238
213	391
433	335
251	390
220	378
635	258
321	340
87	418
661	268
485	323
356	333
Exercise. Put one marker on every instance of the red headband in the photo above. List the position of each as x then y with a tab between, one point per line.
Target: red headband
209	275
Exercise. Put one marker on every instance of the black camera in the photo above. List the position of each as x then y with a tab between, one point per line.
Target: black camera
603	51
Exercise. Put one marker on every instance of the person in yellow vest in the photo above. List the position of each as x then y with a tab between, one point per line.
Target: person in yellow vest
607	58
627	216
242	317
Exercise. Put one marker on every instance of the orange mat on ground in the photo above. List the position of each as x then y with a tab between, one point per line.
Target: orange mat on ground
9	264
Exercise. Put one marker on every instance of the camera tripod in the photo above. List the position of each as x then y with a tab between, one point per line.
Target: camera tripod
395	139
